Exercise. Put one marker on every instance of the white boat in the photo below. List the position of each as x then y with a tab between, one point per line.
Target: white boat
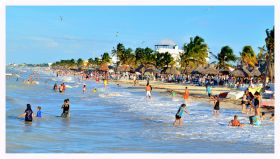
235	94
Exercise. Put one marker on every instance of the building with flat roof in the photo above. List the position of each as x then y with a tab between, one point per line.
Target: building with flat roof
170	47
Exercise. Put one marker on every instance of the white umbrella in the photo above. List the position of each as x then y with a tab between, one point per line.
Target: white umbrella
111	71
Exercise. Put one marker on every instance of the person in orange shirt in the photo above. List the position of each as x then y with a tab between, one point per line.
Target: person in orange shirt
186	95
148	90
235	122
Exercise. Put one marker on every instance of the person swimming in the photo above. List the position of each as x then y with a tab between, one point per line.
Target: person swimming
178	116
94	90
235	122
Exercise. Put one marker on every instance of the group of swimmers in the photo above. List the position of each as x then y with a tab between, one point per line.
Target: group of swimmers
61	88
29	115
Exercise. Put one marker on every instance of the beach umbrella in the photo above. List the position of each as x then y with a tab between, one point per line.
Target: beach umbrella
210	71
246	71
238	73
255	72
104	67
224	71
172	70
198	70
123	68
187	70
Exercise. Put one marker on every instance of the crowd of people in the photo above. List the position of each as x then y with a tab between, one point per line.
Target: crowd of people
250	103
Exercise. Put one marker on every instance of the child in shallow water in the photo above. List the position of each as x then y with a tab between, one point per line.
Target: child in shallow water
39	112
178	116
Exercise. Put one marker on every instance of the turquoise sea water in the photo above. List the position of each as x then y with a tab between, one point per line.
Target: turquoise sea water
120	120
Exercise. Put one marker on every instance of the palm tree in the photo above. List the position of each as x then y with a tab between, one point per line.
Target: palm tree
80	63
90	62
269	41
226	55
97	62
248	56
105	58
163	60
118	52
195	52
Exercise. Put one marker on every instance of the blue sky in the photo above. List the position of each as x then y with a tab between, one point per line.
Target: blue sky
37	34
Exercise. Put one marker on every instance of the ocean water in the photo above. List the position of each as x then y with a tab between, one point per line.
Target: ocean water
120	119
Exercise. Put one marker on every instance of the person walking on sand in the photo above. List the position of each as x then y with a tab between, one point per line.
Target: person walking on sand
134	80
186	96
148	90
178	116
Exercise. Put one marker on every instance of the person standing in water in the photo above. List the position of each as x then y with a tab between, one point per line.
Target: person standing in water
39	112
148	90
105	82
244	101
178	116
84	88
66	109
55	87
186	96
28	114
216	105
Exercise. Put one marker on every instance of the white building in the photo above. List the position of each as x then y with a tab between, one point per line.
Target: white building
170	47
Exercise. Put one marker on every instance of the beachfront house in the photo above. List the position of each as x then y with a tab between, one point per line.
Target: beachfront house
171	48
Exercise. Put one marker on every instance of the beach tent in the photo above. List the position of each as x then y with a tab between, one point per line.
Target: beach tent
255	72
104	67
171	70
210	71
198	70
238	73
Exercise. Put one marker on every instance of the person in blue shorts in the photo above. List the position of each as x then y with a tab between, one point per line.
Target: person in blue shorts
178	116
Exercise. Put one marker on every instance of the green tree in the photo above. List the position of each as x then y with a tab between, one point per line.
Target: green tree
163	59
226	55
195	52
269	42
90	62
248	56
80	63
105	58
97	61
